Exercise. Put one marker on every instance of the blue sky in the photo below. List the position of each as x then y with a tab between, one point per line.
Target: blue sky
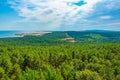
60	15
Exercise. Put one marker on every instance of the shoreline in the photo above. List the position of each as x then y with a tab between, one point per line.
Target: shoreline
32	34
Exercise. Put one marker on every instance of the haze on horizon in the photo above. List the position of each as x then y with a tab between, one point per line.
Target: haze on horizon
60	15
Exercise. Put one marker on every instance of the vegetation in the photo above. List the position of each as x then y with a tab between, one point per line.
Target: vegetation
63	62
56	38
52	57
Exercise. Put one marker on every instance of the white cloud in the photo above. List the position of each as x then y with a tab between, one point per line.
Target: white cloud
105	17
112	4
114	23
55	11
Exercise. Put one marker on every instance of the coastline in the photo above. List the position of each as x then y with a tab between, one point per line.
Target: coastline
32	34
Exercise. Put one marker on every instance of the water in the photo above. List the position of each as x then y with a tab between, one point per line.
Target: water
7	34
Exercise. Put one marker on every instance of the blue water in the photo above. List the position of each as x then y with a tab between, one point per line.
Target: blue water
7	34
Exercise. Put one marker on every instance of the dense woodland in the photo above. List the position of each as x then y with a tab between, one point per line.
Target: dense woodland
63	62
49	58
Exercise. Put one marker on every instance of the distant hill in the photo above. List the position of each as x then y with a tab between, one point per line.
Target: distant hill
66	37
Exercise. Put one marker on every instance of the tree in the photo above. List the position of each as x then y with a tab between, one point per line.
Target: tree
2	73
87	75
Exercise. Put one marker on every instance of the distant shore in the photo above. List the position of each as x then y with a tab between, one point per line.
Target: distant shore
32	34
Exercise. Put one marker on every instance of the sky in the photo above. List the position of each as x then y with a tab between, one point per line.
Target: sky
60	15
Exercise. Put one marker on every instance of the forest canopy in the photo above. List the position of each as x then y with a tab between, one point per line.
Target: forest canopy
60	62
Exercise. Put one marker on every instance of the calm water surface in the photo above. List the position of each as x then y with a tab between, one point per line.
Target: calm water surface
7	34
